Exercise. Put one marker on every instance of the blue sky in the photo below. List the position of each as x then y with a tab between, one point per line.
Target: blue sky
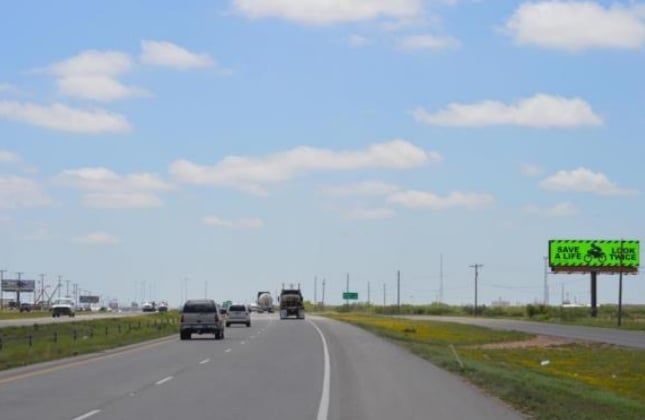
246	144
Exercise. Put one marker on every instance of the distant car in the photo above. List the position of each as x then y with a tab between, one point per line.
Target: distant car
63	307
163	306
148	307
238	314
201	316
25	307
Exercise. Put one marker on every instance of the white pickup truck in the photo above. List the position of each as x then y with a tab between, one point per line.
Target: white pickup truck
63	307
201	316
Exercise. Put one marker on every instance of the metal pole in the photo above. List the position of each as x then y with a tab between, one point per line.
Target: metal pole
384	294
323	292
42	287
620	287
476	267
368	293
440	278
594	294
398	291
315	290
347	289
1	290
546	286
19	274
60	279
66	288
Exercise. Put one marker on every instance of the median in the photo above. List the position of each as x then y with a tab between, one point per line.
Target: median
20	346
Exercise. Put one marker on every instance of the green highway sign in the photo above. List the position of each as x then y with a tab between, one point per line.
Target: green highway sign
350	295
600	255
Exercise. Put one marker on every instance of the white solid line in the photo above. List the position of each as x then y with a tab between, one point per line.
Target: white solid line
323	408
203	362
163	381
228	350
87	415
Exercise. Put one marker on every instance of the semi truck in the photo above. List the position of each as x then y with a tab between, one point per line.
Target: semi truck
291	304
265	302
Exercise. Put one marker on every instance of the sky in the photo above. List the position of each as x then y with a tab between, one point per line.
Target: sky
220	148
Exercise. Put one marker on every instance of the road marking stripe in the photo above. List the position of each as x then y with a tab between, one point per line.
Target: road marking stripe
87	415
228	350
81	362
203	362
164	380
323	408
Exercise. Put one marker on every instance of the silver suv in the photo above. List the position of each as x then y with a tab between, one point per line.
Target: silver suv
201	316
238	314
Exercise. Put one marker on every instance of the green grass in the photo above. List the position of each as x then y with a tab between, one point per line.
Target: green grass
54	341
590	381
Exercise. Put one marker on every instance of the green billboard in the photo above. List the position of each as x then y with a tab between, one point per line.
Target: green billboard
592	254
350	295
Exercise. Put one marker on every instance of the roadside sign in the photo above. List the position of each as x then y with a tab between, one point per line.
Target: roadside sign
18	285
88	299
594	255
350	295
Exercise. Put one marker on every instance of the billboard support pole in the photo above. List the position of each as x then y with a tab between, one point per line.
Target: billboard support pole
594	294
620	286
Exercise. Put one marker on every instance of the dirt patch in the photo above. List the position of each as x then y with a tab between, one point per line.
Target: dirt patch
538	341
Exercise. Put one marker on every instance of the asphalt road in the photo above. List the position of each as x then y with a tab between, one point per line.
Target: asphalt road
635	339
51	320
315	369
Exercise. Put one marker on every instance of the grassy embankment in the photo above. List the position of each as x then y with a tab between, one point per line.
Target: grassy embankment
58	340
633	315
572	381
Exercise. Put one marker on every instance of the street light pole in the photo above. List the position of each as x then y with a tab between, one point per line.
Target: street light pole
476	267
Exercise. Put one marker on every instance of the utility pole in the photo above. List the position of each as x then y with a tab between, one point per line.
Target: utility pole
546	285
60	280
66	288
368	293
384	294
347	289
42	288
19	274
205	289
440	278
315	290
398	291
323	292
476	267
1	290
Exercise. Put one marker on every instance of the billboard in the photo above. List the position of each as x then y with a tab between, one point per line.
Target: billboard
88	299
594	255
18	285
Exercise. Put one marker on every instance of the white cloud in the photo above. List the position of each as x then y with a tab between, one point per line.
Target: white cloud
428	201
584	180
8	88
356	40
96	238
93	75
253	174
428	42
8	157
540	110
17	192
161	53
110	190
370	188
531	170
98	88
238	224
577	25
325	12
62	118
557	210
370	214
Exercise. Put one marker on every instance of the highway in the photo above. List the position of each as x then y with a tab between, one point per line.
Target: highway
316	369
635	339
51	320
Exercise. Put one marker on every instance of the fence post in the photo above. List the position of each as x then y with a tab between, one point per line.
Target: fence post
30	340
55	336
106	331
75	334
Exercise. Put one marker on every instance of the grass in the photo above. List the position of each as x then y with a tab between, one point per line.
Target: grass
13	314
55	341
580	381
